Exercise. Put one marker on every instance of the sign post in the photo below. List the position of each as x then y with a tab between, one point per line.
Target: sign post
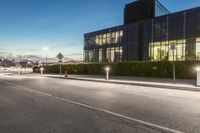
60	57
173	48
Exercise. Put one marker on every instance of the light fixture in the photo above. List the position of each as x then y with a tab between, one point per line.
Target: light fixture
107	68
197	68
41	69
107	72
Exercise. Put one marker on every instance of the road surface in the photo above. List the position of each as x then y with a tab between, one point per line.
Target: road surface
37	104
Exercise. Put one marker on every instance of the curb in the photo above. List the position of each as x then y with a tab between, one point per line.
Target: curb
135	84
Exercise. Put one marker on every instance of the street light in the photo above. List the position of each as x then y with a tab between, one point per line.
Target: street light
46	49
41	70
29	63
197	69
107	72
4	60
198	76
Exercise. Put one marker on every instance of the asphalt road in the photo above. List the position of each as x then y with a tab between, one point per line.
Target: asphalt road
34	104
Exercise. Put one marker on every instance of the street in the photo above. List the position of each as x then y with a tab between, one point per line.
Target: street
35	104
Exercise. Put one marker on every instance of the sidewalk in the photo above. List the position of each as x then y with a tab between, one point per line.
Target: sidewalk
181	84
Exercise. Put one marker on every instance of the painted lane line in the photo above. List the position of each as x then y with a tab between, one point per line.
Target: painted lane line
147	124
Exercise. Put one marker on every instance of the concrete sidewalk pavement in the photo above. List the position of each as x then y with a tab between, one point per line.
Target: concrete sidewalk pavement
181	84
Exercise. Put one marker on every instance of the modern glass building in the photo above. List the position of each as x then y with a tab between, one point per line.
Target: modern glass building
147	34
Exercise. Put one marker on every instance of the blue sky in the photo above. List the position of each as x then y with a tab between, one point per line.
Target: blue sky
26	26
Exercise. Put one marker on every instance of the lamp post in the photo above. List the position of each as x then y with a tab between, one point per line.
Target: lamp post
46	50
19	67
29	63
198	76
4	60
107	72
41	70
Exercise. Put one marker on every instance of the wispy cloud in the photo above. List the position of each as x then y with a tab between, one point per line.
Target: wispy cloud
3	54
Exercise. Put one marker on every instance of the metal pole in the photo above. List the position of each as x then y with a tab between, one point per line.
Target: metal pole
107	74
174	69
41	72
60	68
197	82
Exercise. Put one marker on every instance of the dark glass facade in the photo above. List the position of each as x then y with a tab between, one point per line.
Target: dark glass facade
182	28
104	46
148	39
159	9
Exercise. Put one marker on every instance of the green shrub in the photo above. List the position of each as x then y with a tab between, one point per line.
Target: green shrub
161	69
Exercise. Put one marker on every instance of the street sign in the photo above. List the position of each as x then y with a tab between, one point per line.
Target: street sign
173	45
60	56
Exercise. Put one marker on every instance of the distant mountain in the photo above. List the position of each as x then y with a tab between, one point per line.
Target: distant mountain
36	58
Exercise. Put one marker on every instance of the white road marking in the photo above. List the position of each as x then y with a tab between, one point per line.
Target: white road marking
147	124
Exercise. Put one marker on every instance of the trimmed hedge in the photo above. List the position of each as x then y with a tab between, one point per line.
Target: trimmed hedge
161	69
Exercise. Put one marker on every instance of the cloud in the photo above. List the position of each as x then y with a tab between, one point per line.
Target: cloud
17	57
74	54
34	51
3	54
68	45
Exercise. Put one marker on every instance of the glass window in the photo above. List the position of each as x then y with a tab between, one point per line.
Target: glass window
191	49
100	39
112	54
100	55
180	49
121	33
104	39
156	49
198	48
198	39
108	54
117	37
151	51
163	52
160	9
89	55
97	40
86	56
118	54
179	52
113	38
108	38
171	54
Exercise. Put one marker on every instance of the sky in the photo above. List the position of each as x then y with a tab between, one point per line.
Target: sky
26	26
